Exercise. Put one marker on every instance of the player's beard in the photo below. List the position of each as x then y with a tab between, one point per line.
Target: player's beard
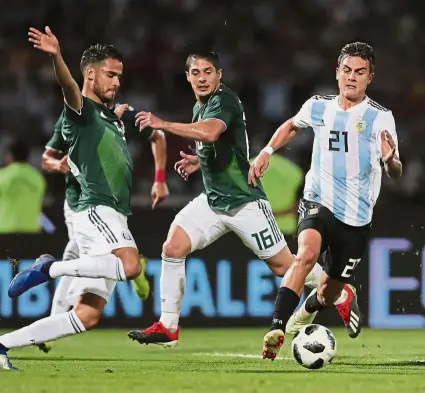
98	92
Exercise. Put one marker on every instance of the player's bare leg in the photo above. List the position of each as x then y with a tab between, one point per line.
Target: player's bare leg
84	316
173	281
309	243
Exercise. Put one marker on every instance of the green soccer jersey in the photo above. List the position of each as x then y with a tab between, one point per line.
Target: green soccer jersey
72	187
98	156
225	162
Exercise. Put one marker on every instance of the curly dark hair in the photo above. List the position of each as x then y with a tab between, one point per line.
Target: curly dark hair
97	53
360	49
212	57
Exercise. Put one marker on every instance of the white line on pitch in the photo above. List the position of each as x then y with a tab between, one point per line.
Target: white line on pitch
237	355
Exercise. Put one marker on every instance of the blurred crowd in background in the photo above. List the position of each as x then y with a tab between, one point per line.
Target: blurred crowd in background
274	53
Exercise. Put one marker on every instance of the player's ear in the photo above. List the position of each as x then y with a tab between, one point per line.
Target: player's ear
370	78
219	74
336	73
90	73
187	76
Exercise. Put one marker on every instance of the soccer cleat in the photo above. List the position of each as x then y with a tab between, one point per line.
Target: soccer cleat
349	312
5	362
156	334
31	277
273	341
45	347
301	317
141	284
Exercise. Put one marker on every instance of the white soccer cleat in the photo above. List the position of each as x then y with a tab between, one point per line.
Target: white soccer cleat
5	363
273	341
300	318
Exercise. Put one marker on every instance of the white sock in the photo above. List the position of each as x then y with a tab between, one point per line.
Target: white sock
313	278
44	330
105	266
172	283
59	302
342	298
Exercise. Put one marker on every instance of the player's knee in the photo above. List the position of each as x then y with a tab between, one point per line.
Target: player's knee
174	249
133	269
305	259
278	270
88	316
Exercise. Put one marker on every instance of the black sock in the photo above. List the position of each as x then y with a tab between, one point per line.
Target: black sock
286	303
312	304
3	348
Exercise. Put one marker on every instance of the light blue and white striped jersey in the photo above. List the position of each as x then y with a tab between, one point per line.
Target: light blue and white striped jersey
345	174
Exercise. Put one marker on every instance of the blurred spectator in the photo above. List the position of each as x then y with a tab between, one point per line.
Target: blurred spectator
22	190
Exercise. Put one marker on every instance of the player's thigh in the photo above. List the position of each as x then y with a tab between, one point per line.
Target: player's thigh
100	230
347	247
256	226
314	223
202	225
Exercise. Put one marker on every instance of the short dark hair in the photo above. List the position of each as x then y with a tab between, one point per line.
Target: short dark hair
360	49
97	53
19	151
212	57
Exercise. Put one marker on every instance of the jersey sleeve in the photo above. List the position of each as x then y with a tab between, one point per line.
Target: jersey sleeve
221	108
81	116
57	141
386	123
303	118
131	130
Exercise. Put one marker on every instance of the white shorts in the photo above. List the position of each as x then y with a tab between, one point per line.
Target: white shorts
69	216
98	231
253	222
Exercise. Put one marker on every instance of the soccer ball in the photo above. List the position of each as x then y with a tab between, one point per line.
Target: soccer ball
314	346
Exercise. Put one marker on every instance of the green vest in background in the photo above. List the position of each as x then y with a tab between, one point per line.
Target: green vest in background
22	190
281	182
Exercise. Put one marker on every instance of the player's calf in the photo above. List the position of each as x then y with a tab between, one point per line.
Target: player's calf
129	257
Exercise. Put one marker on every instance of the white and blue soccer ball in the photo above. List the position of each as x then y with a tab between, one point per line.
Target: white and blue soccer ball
314	346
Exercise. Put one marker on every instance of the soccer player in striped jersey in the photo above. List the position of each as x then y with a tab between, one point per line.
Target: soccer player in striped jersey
352	136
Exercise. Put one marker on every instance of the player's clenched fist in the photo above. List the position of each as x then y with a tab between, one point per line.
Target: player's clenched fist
258	167
47	42
147	119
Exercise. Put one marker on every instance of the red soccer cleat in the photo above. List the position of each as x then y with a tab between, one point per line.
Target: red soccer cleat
349	312
156	334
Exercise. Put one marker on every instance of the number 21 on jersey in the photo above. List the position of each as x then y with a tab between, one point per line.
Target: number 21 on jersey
338	140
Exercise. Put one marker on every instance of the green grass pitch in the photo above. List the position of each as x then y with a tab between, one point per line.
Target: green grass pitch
217	360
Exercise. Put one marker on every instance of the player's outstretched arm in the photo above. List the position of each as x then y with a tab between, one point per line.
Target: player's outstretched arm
280	138
50	162
206	131
159	151
47	42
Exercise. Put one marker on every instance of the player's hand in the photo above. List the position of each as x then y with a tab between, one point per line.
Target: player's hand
258	167
47	42
120	109
187	165
63	166
159	193
387	146
147	119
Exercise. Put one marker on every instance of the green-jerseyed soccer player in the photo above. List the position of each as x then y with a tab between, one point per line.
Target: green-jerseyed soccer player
228	202
99	158
55	160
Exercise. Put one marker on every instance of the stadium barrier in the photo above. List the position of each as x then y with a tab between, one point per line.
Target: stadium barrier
226	284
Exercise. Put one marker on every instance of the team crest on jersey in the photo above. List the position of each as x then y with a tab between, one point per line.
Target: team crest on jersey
360	126
313	211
